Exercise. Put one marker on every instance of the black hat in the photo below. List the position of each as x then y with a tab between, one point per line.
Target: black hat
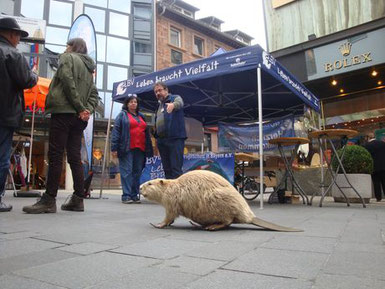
8	23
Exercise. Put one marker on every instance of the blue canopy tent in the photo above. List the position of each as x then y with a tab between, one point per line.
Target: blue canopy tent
228	87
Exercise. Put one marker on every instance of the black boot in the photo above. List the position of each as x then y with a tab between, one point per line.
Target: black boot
46	204
74	204
4	207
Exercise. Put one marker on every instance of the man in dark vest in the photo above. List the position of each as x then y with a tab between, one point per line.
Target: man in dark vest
377	150
170	131
15	76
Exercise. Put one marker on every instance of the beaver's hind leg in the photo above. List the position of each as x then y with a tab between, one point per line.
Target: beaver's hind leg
215	227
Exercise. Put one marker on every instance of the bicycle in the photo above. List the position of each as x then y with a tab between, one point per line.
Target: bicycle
251	187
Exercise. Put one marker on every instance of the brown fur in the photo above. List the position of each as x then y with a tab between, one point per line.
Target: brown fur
204	197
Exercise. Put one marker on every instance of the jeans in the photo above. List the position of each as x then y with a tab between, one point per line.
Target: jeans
6	134
171	153
131	166
65	132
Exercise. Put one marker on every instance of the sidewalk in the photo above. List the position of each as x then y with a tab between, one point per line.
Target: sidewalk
112	245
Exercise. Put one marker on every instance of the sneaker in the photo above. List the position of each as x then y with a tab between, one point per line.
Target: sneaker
137	201
129	201
75	204
4	207
46	204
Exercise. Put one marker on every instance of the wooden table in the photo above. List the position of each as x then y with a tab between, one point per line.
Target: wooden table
324	138
296	142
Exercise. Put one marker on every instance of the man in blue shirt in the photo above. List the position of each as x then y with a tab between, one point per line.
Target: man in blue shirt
170	131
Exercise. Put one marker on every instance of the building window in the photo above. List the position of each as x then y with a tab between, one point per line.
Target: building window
32	9
142	47
142	11
198	45
175	38
98	17
60	13
176	57
118	24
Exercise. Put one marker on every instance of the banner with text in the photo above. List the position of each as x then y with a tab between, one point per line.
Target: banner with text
222	164
242	138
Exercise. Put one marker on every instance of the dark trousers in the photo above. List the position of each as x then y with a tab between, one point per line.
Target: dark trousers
378	179
171	153
65	132
6	134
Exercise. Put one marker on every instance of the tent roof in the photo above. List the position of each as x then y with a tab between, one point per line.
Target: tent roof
224	87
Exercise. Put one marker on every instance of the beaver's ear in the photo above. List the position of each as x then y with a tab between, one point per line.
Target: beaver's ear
162	182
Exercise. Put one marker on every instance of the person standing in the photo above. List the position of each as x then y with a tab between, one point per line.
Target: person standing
15	77
71	100
377	150
170	131
131	143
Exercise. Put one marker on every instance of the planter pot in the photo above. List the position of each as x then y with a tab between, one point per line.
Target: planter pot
361	182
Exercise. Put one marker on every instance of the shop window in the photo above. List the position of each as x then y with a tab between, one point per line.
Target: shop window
175	37
198	45
176	57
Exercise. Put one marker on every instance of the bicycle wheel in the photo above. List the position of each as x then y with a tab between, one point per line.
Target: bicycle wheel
251	190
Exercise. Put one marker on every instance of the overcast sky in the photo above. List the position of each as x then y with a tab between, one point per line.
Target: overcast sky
244	15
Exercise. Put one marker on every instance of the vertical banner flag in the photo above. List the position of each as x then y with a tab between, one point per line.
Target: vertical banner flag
83	27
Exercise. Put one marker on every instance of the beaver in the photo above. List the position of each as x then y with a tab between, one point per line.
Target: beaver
206	198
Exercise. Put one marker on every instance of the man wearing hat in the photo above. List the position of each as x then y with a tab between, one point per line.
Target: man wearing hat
15	77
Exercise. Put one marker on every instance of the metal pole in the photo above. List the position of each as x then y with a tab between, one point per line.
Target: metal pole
31	141
105	150
260	135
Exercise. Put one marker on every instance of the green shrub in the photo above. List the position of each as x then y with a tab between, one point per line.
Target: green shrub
357	160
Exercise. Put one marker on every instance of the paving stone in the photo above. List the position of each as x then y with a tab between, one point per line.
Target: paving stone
327	281
301	243
18	235
192	265
11	248
359	247
14	263
148	278
226	250
295	264
223	279
366	264
17	282
85	271
162	248
87	248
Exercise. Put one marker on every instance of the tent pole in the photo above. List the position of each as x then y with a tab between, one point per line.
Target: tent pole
105	150
31	141
260	135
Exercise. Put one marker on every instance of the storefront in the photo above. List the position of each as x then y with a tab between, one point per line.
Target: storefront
346	70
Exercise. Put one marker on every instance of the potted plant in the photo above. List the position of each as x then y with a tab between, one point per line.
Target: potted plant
358	164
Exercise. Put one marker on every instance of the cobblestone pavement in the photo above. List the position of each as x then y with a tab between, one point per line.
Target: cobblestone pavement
111	245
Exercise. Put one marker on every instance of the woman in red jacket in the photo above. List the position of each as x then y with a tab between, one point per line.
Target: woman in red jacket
131	143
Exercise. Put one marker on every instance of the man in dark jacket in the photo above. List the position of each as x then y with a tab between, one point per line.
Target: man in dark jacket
71	100
377	150
170	131
15	76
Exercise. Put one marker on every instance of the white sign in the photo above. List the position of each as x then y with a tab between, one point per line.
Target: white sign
34	27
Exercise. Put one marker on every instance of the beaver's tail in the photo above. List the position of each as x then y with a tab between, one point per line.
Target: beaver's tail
273	227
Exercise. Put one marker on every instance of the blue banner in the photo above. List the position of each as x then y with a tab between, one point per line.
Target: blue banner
222	164
245	138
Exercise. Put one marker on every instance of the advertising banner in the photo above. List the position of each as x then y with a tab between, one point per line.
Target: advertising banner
83	27
222	164
244	138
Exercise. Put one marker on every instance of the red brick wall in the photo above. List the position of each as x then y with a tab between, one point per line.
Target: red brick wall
164	47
